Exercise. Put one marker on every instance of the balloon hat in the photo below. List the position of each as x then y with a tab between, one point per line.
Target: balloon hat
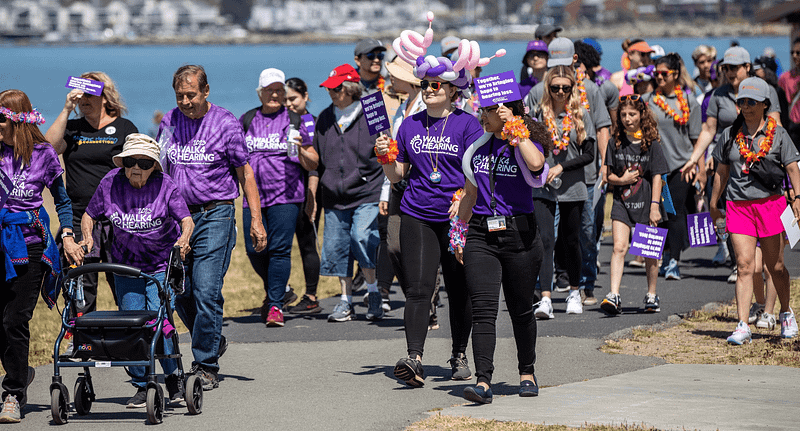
412	46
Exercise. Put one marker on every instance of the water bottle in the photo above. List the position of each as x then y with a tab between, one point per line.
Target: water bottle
555	183
80	301
291	136
722	232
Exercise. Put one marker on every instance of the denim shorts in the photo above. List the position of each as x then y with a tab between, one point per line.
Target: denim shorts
349	234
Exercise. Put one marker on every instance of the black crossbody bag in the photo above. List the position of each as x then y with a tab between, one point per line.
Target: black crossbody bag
766	172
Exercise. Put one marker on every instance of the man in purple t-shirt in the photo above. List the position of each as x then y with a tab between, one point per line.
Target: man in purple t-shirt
206	146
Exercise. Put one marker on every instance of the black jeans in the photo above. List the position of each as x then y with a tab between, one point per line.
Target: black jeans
17	302
306	233
511	257
424	246
545	212
678	234
568	244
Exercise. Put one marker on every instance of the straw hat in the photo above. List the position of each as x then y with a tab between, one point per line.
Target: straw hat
139	144
401	70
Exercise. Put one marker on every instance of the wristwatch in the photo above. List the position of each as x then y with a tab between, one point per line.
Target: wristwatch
66	234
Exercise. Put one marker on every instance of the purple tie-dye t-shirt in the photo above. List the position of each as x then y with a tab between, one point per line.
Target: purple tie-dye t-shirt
146	221
278	176
203	153
29	181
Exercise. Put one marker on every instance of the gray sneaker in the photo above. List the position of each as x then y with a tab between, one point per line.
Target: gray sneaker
139	400
208	378
756	310
342	312
375	311
10	413
460	367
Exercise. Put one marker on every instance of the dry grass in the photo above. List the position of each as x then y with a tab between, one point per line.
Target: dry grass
438	422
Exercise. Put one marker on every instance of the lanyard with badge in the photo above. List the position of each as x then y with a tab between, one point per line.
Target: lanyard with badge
496	222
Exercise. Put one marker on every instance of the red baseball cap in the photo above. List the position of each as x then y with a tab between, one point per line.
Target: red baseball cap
341	74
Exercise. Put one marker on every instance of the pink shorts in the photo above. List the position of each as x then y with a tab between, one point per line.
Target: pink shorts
760	218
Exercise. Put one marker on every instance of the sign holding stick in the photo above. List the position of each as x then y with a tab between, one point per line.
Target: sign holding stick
496	89
375	113
648	241
90	86
701	230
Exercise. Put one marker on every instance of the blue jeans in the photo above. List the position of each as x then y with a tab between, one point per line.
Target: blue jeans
350	233
588	242
274	263
141	294
200	307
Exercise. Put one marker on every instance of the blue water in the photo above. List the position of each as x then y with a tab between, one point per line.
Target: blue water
144	73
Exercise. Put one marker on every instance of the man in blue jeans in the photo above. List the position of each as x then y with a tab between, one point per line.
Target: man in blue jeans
206	148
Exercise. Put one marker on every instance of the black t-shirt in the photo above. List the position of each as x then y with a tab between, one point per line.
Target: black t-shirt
88	157
636	197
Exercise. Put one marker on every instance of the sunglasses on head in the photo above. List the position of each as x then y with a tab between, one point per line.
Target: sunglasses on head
746	102
144	164
337	89
631	97
434	85
373	55
662	73
561	88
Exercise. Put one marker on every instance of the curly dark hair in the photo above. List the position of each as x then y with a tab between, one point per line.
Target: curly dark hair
538	131
648	124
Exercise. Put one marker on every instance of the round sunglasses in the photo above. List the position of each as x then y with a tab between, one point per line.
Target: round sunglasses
144	164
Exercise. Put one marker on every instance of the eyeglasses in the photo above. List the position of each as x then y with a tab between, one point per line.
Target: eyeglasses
746	102
434	85
561	88
631	97
145	164
730	67
373	55
337	89
489	110
662	73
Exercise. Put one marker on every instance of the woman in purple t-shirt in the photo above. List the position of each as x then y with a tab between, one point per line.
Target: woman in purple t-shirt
148	217
433	142
503	245
28	165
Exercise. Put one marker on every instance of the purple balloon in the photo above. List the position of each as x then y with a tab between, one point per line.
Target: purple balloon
438	70
420	60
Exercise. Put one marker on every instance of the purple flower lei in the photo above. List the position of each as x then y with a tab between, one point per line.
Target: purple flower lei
34	117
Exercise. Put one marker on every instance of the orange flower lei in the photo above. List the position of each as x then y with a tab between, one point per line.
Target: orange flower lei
516	130
381	82
766	144
390	156
560	143
681	119
580	76
457	195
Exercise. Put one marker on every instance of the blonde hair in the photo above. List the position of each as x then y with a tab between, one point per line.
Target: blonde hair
701	50
115	107
573	105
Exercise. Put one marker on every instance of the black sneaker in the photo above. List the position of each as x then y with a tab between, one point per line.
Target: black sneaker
289	297
223	346
306	306
208	378
410	371
460	367
174	388
433	323
139	400
612	304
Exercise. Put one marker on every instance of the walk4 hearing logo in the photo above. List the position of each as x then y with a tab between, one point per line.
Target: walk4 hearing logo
271	143
433	144
141	220
505	167
192	154
20	191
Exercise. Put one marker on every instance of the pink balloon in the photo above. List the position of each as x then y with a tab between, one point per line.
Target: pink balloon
402	53
463	55
412	41
429	15
475	55
500	53
483	62
428	38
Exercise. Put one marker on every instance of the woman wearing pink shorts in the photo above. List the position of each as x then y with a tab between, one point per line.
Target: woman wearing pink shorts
754	202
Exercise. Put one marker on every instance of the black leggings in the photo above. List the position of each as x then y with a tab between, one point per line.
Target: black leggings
568	244
545	212
513	257
678	233
389	249
424	246
306	233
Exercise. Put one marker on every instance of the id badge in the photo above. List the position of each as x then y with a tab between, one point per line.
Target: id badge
496	223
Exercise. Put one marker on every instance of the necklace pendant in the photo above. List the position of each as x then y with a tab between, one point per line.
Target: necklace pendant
556	151
436	177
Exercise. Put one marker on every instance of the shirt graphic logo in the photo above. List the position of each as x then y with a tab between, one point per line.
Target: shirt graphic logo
271	142
434	144
20	183
192	154
140	221
482	164
110	130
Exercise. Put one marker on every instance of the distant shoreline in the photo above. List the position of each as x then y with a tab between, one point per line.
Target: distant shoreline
628	30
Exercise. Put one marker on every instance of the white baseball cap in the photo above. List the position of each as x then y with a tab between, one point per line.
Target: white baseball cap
270	76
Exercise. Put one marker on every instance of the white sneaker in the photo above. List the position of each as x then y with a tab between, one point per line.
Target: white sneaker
788	324
741	335
545	309
734	275
722	254
766	321
755	312
574	305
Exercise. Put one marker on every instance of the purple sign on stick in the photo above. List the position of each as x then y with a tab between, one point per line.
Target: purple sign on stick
648	241
308	120
6	187
375	113
95	88
495	89
701	230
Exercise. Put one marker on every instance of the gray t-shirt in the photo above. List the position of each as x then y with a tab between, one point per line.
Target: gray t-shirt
741	186
676	140
722	106
610	94
573	185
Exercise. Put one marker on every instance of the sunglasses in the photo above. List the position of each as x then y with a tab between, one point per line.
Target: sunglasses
144	164
795	52
631	97
434	85
337	89
373	55
566	89
746	102
662	73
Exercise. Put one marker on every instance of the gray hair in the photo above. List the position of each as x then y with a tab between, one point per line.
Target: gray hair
353	89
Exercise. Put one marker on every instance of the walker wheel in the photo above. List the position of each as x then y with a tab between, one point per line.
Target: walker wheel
83	397
155	405
194	395
59	406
